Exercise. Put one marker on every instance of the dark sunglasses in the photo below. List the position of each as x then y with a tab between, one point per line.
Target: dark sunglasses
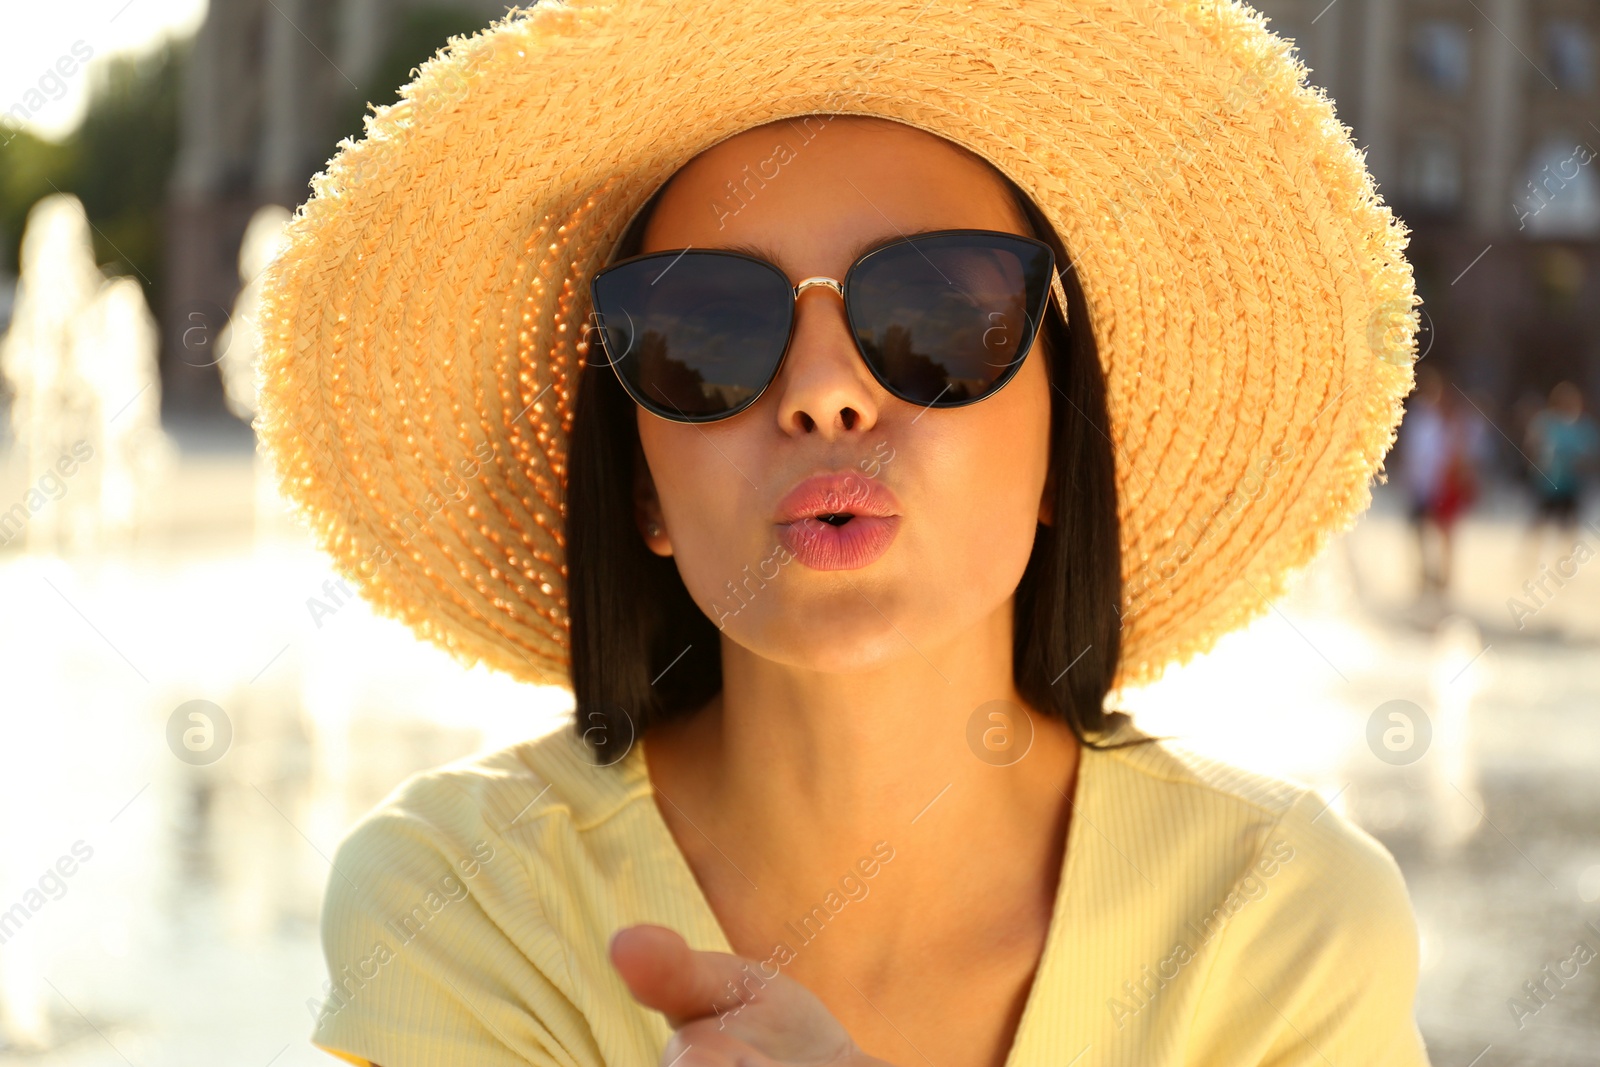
943	319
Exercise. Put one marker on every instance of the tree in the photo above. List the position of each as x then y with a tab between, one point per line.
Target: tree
117	162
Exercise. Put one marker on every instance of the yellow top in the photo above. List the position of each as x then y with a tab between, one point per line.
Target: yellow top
1205	915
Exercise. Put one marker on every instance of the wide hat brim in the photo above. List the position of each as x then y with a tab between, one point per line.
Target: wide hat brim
423	328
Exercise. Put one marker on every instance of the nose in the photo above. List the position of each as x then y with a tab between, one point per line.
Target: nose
824	387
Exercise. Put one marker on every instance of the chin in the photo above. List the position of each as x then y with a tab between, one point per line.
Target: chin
844	635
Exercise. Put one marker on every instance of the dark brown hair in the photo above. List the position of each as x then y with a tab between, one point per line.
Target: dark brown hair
643	652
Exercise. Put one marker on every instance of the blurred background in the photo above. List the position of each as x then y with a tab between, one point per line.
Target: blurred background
195	711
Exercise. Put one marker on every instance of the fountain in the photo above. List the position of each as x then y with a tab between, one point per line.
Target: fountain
52	404
80	361
241	350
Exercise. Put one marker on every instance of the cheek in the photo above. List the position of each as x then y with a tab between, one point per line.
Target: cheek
994	457
705	500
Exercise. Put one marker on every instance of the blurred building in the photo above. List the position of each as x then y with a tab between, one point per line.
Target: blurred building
271	88
1478	118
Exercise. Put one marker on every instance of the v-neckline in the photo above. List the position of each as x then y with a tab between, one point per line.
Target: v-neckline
1056	934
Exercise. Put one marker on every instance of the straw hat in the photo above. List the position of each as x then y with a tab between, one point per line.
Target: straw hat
423	327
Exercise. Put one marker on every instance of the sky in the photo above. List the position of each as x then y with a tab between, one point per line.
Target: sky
41	40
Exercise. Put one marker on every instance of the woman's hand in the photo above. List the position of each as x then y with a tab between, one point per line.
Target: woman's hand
725	1010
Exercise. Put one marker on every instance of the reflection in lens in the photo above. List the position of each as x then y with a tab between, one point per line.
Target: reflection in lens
945	319
696	334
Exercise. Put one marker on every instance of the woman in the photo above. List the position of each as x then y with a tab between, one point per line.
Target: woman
1441	445
883	460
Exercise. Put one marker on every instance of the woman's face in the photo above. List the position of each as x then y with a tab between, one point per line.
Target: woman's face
965	485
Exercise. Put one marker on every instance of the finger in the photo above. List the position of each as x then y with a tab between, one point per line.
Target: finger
695	1055
684	984
701	1044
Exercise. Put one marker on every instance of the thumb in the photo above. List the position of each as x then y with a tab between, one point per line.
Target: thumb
682	983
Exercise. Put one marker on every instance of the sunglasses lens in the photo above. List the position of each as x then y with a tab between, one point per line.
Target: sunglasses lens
696	335
947	319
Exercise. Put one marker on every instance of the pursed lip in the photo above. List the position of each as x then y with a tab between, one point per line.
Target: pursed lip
844	493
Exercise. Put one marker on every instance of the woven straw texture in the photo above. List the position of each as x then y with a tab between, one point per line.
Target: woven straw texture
423	329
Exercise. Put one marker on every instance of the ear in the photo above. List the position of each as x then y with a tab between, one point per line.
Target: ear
1047	499
647	517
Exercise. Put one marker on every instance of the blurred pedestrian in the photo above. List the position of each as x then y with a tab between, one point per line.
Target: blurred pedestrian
1562	444
1441	442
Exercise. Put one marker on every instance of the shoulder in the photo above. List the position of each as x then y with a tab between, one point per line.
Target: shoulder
1271	829
445	924
506	828
1292	913
491	797
1166	764
1194	824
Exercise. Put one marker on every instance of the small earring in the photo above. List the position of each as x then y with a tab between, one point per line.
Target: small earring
653	529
